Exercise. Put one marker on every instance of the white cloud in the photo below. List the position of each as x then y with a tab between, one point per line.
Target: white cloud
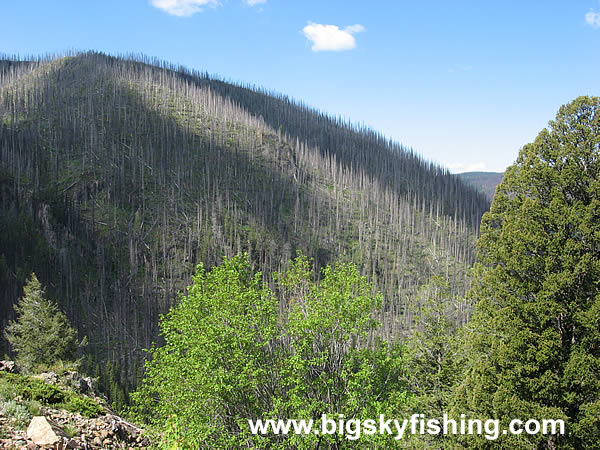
466	167
254	2
593	18
183	8
330	37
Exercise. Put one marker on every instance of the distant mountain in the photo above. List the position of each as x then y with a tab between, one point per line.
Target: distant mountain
119	176
485	182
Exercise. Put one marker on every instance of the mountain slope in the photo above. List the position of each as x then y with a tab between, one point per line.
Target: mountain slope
485	182
118	176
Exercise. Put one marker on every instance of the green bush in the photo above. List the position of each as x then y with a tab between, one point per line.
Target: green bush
34	407
29	388
7	391
19	414
231	355
42	392
71	430
36	393
83	405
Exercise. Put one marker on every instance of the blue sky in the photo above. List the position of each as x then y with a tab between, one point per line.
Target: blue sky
464	83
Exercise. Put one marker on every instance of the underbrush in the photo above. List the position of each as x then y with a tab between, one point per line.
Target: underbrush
30	394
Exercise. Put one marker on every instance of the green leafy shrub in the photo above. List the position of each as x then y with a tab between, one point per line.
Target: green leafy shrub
29	388
83	405
71	430
233	352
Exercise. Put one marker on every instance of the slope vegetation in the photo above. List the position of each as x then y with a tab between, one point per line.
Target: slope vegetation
117	176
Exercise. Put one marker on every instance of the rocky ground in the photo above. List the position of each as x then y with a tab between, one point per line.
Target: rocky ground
73	431
61	429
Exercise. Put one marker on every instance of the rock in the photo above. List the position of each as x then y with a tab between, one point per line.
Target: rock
83	385
47	431
125	431
9	366
48	377
74	443
42	432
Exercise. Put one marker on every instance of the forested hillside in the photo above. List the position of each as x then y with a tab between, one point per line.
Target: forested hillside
486	182
118	176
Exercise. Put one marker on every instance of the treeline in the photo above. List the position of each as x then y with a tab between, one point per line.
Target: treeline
119	176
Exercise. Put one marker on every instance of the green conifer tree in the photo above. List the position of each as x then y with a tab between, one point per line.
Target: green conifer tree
433	359
534	342
42	334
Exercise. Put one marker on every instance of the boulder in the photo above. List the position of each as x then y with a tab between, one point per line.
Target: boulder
42	432
83	385
9	366
48	377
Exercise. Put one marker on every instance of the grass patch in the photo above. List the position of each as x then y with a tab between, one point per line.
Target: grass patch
70	430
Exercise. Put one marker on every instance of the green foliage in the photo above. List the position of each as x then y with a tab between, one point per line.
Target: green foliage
18	414
83	405
41	334
212	370
29	388
327	367
45	393
232	353
534	345
36	393
433	355
34	407
110	383
71	430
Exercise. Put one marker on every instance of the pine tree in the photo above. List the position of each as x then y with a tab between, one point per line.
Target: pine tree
42	334
535	338
433	360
